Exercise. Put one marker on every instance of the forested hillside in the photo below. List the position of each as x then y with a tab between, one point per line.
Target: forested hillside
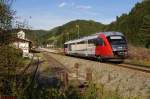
71	30
33	35
135	25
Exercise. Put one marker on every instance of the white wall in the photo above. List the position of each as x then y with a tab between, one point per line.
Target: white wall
21	35
24	46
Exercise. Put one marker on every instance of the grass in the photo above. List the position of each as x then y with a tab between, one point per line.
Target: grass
94	91
26	61
139	56
97	91
44	66
40	55
138	62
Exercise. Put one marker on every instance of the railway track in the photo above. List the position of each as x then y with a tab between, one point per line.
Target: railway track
31	69
55	65
124	65
58	67
136	67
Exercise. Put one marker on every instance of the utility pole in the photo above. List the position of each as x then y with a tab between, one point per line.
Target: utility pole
68	36
78	27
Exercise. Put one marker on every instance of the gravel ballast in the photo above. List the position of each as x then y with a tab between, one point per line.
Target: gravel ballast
126	81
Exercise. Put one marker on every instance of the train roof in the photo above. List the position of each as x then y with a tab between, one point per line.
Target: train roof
82	39
112	33
94	36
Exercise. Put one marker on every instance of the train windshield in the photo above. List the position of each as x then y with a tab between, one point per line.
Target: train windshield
116	40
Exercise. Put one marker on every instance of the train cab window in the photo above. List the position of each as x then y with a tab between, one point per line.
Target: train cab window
100	42
116	40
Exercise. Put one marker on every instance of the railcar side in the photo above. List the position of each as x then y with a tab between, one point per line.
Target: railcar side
106	45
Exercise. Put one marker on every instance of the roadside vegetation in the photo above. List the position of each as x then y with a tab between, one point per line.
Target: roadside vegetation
44	66
10	58
138	55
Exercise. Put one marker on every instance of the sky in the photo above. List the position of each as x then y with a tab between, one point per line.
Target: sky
47	14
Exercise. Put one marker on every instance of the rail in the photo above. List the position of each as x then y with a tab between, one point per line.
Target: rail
33	65
124	65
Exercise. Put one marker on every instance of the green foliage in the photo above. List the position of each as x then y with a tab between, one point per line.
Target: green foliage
5	37
22	88
35	36
72	93
93	92
69	31
28	90
134	25
145	31
6	14
10	58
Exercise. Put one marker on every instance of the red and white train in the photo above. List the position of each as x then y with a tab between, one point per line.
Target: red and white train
104	45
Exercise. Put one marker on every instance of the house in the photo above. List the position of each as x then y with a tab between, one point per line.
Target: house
50	45
24	44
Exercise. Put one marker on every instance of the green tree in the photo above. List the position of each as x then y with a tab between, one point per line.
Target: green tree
6	16
133	24
145	31
10	57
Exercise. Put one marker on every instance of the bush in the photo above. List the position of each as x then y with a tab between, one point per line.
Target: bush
139	53
10	57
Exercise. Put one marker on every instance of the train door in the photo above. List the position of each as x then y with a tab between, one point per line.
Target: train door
100	47
66	48
103	48
91	47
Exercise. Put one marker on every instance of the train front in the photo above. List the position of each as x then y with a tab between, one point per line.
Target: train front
118	44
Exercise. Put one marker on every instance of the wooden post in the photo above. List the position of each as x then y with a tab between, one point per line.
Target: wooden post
88	74
76	66
66	80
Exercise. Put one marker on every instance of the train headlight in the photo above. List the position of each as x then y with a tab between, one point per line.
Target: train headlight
114	49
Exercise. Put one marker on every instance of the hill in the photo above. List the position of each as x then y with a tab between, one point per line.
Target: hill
135	25
71	31
33	35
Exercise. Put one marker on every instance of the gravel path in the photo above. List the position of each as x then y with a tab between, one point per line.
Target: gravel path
126	81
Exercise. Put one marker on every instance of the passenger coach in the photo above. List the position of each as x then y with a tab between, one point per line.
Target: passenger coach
105	45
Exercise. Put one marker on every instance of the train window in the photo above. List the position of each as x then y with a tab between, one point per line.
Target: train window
115	40
91	42
115	37
99	42
65	46
82	42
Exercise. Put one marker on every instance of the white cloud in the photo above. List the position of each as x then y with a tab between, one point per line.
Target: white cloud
83	7
62	4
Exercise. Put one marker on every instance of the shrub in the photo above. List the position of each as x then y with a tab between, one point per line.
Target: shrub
10	57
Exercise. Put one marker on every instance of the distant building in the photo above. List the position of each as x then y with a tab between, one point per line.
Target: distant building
50	45
23	43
